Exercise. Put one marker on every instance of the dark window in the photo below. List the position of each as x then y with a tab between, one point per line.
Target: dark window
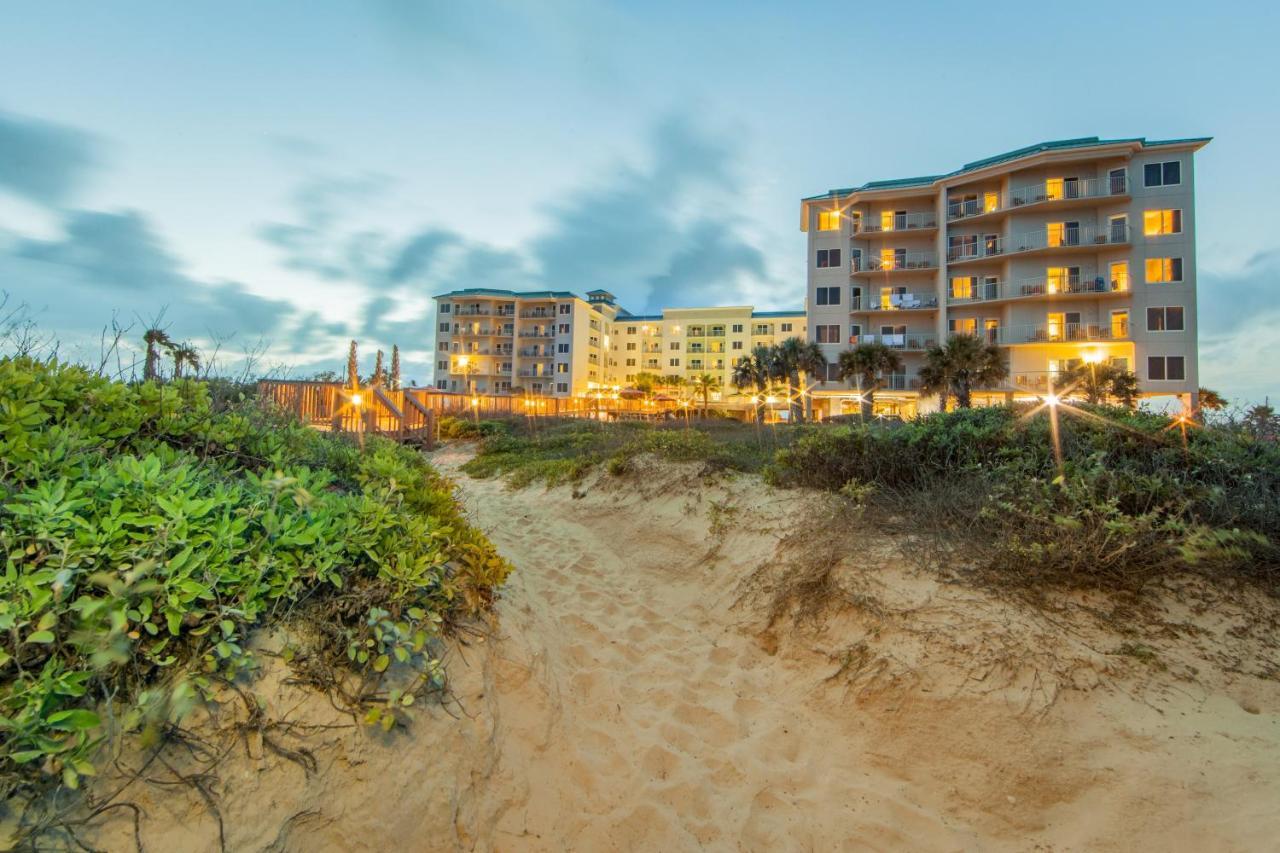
564	328
786	327
562	387
1164	174
737	344
828	258
444	327
828	295
631	330
562	347
566	308
829	334
1169	319
737	328
444	309
1175	368
674	362
1176	265
674	345
442	365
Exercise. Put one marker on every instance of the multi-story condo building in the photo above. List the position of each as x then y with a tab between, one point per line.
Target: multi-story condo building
1063	252
556	343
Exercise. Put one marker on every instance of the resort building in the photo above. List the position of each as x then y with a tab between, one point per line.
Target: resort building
555	343
1067	252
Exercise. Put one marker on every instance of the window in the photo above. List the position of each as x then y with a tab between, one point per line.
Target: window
829	334
443	346
786	327
1120	324
1064	233
1156	223
444	327
631	330
562	367
1170	368
445	308
1164	174
737	344
675	362
442	365
631	362
1165	319
828	258
1061	279
562	387
962	246
1119	275
675	345
564	328
762	329
737	328
562	347
962	286
833	373
631	346
695	364
828	220
963	326
1164	270
826	296
566	308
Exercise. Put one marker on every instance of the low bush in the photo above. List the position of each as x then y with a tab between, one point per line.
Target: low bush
1131	501
467	428
146	535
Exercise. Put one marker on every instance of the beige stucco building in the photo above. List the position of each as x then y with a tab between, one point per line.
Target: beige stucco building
1080	249
555	343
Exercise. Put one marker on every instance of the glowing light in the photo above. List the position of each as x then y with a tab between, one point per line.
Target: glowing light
475	401
462	361
356	399
1051	400
1092	357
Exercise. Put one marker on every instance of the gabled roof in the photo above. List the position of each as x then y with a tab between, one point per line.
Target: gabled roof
1016	154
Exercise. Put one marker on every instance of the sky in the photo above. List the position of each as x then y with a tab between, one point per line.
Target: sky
284	177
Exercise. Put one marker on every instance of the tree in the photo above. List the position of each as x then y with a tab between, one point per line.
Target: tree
1102	383
353	371
703	384
963	363
753	371
864	365
1211	400
156	340
184	355
1260	422
395	367
646	382
378	374
935	376
812	363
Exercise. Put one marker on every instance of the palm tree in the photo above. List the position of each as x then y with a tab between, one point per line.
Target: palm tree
378	374
1260	421
935	376
156	340
1212	400
812	362
184	355
646	382
865	364
395	367
1103	382
703	384
753	371
965	362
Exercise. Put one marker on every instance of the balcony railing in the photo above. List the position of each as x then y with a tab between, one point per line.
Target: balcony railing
1040	193
899	261
536	374
537	313
894	302
1032	241
899	382
901	222
907	341
480	332
473	312
984	291
535	353
1062	333
538	333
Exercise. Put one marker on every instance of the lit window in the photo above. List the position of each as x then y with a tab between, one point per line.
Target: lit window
1120	275
887	259
886	220
1056	279
1053	189
962	286
990	202
1158	222
1120	324
828	220
1163	270
1057	233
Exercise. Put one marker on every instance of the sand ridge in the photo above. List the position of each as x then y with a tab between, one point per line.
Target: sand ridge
631	693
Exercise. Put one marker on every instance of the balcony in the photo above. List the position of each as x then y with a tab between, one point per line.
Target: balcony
538	333
1053	333
897	263
1028	288
1062	192
909	222
538	314
899	382
483	332
530	373
906	341
1049	240
535	353
894	302
473	312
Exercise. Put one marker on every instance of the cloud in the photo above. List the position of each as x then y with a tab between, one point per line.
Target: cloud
1236	297
42	162
107	265
1239	322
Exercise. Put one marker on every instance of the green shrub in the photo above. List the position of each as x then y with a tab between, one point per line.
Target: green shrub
146	535
466	428
1131	502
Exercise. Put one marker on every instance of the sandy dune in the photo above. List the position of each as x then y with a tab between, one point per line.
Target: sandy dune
633	696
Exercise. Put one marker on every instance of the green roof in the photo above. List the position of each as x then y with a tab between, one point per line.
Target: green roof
777	313
527	294
1055	145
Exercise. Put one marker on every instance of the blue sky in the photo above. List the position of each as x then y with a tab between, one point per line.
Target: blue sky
304	173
